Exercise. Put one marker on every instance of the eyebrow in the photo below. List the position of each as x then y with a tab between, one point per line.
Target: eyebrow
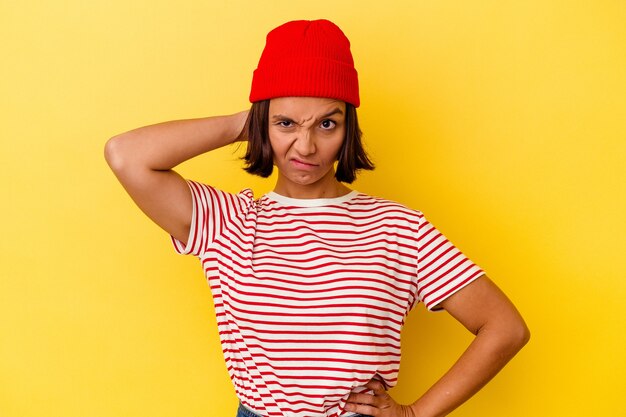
336	110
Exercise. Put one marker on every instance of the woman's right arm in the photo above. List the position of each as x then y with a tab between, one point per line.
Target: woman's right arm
142	160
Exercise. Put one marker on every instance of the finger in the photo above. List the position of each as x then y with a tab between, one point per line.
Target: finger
360	398
376	385
364	409
384	384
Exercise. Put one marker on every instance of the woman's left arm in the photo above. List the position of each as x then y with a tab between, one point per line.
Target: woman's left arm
500	333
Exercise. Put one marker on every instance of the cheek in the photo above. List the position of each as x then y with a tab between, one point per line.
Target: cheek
278	151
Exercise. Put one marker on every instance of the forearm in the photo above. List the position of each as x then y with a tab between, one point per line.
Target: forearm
490	350
164	145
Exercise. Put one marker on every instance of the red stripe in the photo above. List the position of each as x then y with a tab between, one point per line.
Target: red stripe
323	341
325	350
313	324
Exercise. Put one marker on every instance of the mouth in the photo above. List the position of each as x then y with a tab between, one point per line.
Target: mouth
301	164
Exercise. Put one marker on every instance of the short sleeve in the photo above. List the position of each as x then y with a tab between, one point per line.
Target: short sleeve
212	211
442	269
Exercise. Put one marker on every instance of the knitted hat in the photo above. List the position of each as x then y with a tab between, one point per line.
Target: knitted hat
306	58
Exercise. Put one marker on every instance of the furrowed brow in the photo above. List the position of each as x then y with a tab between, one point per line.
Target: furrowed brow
336	110
280	117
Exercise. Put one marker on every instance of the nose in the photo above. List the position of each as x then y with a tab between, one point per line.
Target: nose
304	143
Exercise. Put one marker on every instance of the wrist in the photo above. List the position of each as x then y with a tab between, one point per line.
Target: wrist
420	411
238	124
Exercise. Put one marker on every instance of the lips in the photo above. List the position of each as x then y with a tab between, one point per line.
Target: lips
299	161
299	164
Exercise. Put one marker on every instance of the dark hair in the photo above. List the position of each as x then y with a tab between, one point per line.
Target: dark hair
259	159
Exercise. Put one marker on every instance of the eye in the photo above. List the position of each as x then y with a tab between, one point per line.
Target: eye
285	123
327	124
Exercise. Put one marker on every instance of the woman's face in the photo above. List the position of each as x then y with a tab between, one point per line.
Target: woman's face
306	134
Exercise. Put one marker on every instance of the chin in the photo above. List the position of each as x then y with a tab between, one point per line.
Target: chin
304	181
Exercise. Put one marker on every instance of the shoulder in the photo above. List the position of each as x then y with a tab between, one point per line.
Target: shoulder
215	196
245	193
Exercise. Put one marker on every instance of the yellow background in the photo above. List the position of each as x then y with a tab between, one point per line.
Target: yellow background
503	121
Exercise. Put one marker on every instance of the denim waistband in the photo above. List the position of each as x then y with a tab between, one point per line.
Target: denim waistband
244	411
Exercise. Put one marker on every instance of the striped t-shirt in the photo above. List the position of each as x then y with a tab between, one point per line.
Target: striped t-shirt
311	294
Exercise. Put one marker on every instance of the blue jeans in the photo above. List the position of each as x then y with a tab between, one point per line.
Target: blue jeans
242	411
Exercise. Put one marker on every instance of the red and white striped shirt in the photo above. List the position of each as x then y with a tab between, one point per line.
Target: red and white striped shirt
311	294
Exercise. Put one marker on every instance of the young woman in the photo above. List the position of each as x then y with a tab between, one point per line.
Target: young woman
312	281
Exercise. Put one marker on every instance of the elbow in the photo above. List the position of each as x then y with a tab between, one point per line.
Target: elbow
522	336
114	151
509	337
518	335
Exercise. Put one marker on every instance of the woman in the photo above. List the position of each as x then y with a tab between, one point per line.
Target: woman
312	281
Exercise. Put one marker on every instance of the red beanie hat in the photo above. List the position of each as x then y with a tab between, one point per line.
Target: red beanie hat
306	58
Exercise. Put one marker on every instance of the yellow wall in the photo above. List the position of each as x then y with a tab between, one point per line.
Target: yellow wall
503	121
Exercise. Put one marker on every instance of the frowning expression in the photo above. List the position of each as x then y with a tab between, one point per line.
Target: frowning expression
306	134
